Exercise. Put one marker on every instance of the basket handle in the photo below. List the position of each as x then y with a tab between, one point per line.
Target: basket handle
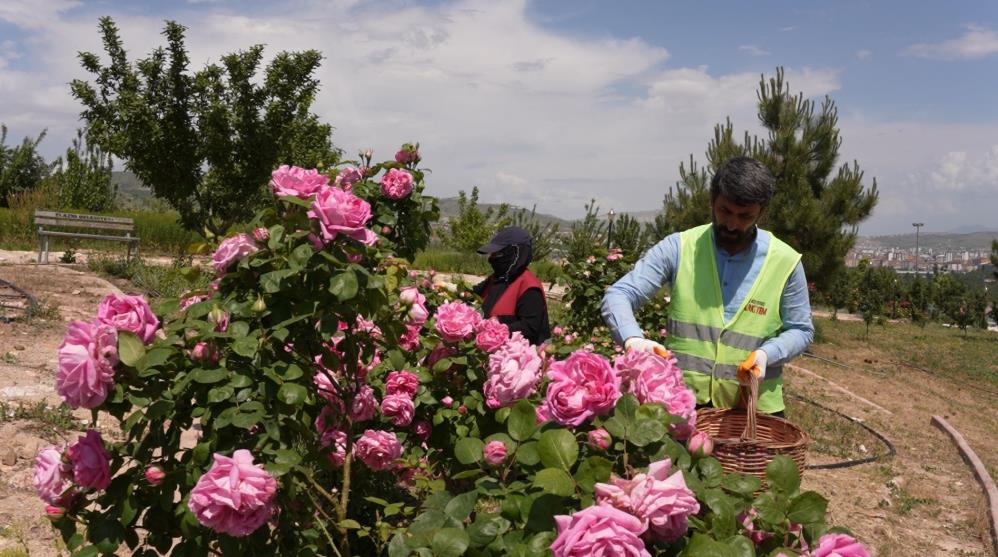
749	399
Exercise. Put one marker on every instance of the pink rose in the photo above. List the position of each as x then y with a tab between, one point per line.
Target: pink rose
456	321
700	444
411	296
341	212
187	301
557	331
599	530
409	153
347	177
87	357
653	378
494	453
614	254
513	373
399	408
491	335
54	513
261	234
396	184
378	449
154	475
365	406
661	501
402	382
231	250
447	401
462	409
599	439
839	545
292	181
582	386
410	340
129	313
204	352
52	477
422	429
91	461
235	496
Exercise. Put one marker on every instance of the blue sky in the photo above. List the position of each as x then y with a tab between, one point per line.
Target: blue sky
554	102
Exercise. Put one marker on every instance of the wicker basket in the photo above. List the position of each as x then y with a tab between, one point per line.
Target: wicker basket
745	441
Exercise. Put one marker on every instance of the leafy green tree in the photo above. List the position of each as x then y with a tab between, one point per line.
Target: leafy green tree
816	208
994	258
21	167
920	296
629	236
545	236
206	142
841	293
472	227
586	235
83	181
873	291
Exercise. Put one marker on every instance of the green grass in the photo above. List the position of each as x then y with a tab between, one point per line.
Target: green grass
943	350
156	281
46	419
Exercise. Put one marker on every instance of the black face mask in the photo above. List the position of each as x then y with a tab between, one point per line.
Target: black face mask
502	262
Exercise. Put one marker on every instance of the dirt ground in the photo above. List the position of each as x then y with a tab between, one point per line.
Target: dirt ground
925	501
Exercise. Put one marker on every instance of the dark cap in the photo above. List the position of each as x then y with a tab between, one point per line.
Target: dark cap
508	236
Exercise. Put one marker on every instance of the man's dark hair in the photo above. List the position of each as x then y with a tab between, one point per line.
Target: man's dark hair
744	180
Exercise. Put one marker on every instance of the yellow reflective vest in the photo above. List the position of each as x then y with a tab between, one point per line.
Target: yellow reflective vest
708	349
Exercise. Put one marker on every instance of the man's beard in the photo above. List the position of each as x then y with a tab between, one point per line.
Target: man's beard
732	238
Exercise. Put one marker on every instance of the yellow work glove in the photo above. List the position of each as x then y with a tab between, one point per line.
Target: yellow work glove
754	364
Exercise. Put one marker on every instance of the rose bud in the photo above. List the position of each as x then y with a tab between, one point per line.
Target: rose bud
154	475
700	444
599	439
494	453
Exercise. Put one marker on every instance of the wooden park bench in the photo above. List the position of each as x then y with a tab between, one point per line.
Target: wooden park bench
45	219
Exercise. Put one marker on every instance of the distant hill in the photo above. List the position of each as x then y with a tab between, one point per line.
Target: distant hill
933	240
449	208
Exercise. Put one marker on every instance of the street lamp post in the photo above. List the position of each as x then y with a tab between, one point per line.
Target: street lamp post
918	226
610	216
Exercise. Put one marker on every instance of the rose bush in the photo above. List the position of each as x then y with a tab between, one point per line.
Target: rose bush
320	399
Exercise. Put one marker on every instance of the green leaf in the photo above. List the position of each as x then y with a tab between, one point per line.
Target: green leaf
159	409
711	471
469	450
770	508
703	546
300	256
88	551
627	407
485	528
397	547
271	282
617	427
647	432
782	475
743	484
723	520
292	372
450	542
130	348
218	394
473	473
155	357
807	508
246	420
558	449
245	346
593	470
209	376
238	329
350	524
742	546
292	394
522	421
460	507
344	285
555	481
527	454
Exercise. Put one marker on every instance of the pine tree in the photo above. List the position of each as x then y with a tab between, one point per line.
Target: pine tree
545	236
22	167
472	227
629	236
815	209
586	235
84	181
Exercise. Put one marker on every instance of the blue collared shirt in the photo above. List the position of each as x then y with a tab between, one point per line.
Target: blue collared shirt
736	274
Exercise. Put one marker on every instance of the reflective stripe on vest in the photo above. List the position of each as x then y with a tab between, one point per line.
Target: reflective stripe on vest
708	349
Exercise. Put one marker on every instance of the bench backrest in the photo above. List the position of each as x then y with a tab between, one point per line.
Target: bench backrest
56	218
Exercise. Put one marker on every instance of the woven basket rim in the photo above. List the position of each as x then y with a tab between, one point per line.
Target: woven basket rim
714	415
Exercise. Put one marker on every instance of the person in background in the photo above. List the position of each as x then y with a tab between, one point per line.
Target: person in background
512	294
739	296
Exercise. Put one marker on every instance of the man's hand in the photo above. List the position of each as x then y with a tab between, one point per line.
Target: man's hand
645	345
754	364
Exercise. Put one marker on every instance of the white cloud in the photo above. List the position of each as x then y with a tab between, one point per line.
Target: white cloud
753	50
496	101
34	14
863	54
976	42
788	28
959	171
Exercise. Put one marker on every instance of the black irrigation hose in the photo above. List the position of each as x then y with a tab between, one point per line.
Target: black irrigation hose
969	384
891	451
32	303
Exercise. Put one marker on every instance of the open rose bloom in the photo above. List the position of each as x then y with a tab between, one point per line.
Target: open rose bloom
87	358
660	500
129	313
235	496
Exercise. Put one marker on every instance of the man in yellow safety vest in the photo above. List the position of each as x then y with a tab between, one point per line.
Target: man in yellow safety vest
739	295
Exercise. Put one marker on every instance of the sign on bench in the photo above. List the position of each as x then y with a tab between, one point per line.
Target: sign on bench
88	222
